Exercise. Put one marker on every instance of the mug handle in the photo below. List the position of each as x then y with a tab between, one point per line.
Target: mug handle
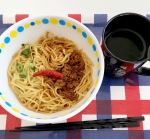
142	71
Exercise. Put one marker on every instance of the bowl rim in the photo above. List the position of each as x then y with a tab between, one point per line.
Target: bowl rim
87	102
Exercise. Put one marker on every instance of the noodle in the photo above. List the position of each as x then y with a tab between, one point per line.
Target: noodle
47	53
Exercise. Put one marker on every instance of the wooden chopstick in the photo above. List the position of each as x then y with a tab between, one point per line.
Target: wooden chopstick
107	123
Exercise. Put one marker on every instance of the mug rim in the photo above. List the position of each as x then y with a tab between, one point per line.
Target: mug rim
105	46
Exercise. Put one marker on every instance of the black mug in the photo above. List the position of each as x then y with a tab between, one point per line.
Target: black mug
126	45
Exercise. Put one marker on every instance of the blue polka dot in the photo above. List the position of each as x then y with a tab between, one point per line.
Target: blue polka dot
23	114
45	21
32	23
97	59
0	93
20	29
8	104
0	50
94	47
62	22
84	35
92	91
98	72
38	118
74	27
7	40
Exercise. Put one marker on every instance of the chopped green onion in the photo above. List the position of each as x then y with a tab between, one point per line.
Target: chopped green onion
23	44
31	78
31	61
27	47
36	70
31	65
26	52
24	72
22	75
40	51
19	67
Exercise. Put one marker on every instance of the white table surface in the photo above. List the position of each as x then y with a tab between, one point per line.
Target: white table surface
73	6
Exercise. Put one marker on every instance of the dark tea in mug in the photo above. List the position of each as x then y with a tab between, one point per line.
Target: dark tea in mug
125	44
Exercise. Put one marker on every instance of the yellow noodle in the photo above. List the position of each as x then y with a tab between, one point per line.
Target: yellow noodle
34	93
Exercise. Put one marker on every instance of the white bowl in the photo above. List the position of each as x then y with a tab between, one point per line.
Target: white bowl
29	30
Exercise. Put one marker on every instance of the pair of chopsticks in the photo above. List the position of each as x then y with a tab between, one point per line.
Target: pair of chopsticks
94	124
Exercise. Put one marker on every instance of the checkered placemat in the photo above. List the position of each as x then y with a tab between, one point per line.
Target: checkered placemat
116	98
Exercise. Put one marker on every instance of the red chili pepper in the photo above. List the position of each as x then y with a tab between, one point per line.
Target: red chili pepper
51	73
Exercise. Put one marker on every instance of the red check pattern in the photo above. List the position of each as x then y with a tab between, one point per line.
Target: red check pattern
19	17
75	16
131	106
11	120
78	117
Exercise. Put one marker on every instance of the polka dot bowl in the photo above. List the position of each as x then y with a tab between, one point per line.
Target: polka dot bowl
29	30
